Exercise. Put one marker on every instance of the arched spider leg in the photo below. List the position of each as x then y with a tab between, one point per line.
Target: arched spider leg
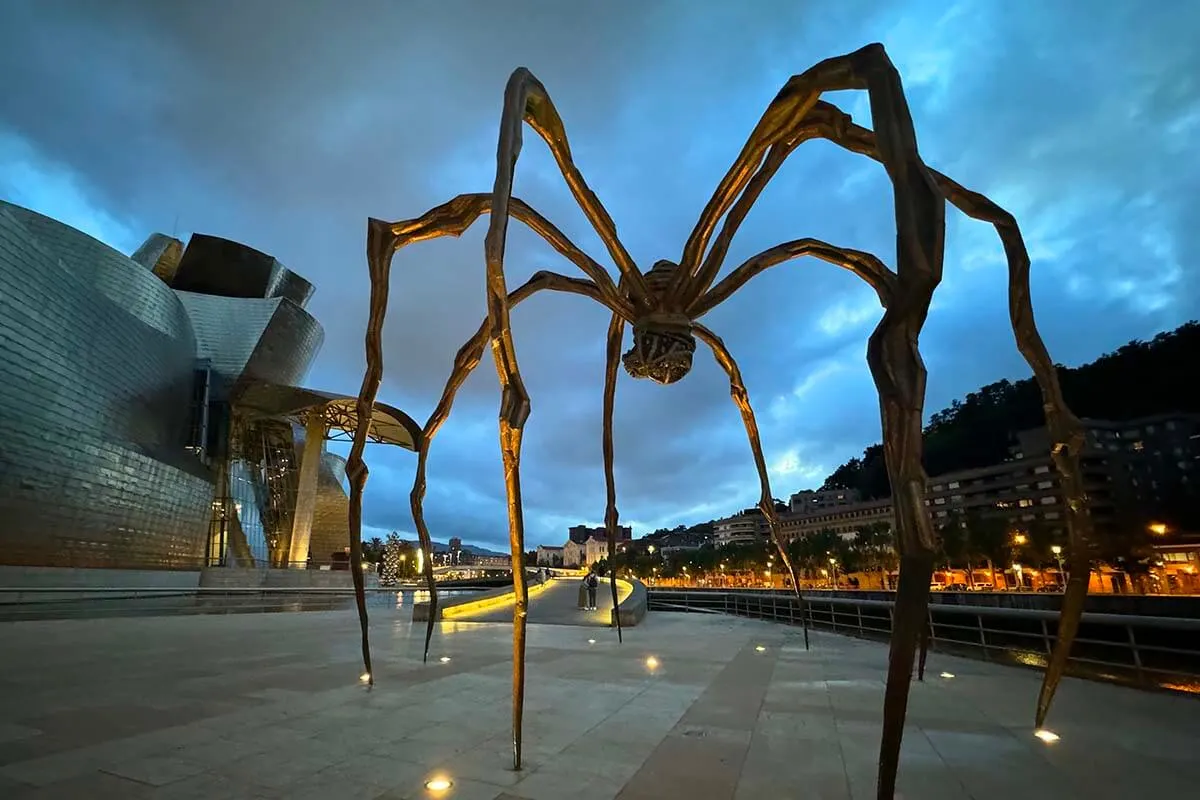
892	354
383	240
465	362
612	357
1065	429
766	502
526	99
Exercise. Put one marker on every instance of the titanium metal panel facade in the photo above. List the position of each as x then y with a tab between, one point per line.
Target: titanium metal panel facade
331	516
97	364
270	339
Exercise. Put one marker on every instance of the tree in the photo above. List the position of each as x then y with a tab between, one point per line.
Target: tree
373	550
393	559
1138	379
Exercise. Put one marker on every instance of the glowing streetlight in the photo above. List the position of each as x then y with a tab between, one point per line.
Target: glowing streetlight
1020	538
650	549
1158	529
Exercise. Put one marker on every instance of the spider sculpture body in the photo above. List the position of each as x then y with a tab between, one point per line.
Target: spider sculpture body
665	303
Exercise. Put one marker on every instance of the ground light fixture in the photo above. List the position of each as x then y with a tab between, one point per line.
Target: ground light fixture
652	663
365	677
438	784
947	675
444	659
1049	737
591	641
760	648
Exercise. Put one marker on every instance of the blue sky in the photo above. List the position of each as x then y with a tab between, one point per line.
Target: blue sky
286	129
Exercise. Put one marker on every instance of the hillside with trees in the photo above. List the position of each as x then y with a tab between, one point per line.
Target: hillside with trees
1138	380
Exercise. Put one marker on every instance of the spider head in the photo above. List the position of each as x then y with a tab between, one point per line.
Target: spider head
662	348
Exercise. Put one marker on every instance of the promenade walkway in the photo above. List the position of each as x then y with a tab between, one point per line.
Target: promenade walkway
270	706
558	604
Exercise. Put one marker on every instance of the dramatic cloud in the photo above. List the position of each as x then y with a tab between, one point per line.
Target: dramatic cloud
286	125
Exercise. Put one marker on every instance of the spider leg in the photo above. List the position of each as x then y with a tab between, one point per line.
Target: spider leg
1065	429
465	362
741	398
616	330
531	103
864	265
383	240
895	363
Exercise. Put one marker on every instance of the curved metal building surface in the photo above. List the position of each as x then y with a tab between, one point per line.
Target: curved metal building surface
151	413
97	360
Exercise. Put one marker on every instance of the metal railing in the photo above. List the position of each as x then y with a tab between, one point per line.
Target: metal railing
1162	652
44	603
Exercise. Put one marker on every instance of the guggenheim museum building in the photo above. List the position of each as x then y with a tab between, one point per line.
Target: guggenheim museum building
152	407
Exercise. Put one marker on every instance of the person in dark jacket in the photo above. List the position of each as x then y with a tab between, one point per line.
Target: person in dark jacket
592	583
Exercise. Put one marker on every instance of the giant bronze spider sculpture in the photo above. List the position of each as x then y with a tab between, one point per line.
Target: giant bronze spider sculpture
665	303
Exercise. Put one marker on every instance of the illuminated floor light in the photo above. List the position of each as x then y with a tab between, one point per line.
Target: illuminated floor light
652	662
760	648
444	659
365	677
438	784
591	641
1046	736
947	675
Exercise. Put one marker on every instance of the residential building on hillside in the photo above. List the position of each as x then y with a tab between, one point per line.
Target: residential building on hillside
807	501
846	520
744	527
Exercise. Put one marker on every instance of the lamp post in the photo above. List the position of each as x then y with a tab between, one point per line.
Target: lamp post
1062	575
833	566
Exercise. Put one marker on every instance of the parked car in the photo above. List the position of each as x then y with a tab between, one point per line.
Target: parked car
983	587
957	587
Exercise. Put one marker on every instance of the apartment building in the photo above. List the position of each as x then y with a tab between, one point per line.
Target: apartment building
1132	465
745	527
808	501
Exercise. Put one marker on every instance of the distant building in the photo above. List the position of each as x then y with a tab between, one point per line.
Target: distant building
549	556
744	527
846	519
808	501
581	533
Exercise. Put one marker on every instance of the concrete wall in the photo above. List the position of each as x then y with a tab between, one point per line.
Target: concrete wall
234	578
65	577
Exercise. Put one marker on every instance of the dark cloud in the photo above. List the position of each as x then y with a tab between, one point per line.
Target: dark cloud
286	128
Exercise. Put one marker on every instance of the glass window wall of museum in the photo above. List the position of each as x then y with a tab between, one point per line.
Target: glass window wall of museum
238	534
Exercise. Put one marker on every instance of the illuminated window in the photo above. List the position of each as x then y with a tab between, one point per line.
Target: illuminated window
953	484
1024	502
1139	446
1039	470
1045	484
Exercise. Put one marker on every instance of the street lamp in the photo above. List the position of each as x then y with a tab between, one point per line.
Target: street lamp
833	565
1057	550
1020	538
650	549
1158	529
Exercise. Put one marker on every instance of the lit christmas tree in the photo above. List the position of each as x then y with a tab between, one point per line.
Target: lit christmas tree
392	550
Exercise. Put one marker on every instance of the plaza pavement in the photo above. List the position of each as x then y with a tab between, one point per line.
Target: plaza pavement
270	706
